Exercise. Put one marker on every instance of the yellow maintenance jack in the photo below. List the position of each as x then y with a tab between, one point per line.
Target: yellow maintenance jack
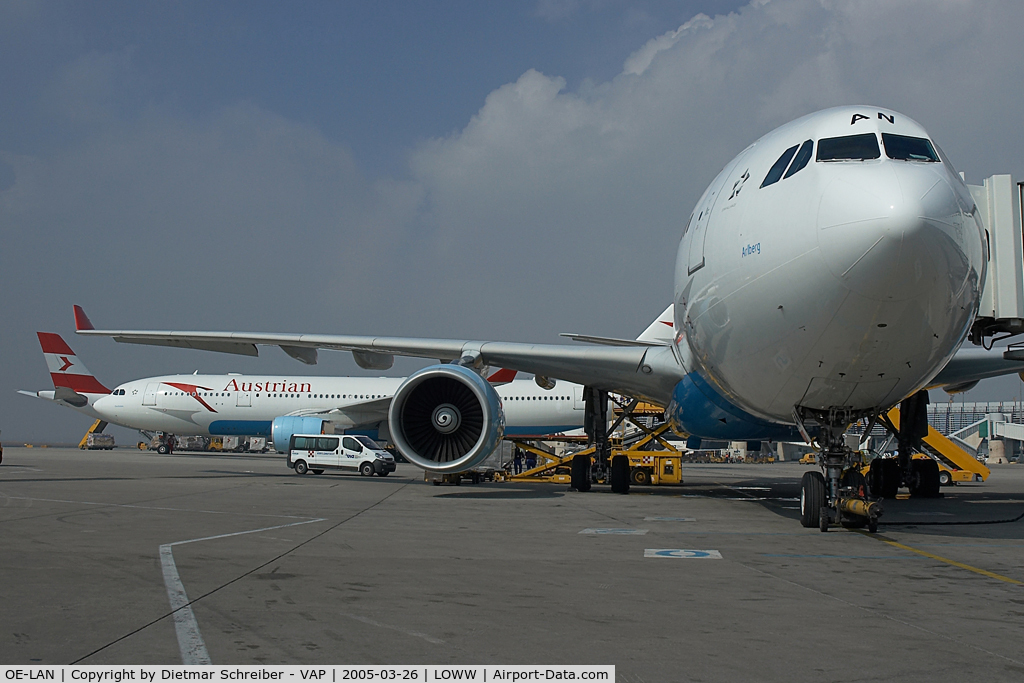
645	466
551	468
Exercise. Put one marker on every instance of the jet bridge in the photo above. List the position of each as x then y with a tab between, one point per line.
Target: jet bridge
1000	203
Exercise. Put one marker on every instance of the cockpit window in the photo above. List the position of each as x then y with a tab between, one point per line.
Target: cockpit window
849	148
775	173
906	148
801	159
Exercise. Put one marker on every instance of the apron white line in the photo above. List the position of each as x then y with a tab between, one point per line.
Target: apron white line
190	641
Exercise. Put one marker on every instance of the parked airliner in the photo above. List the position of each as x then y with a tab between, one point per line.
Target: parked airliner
830	271
234	404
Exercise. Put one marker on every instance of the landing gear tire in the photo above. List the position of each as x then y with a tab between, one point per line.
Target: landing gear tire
812	498
944	478
620	474
884	477
640	477
580	475
366	469
927	472
301	467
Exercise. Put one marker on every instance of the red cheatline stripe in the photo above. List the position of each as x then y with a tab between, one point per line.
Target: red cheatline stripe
193	391
82	384
52	343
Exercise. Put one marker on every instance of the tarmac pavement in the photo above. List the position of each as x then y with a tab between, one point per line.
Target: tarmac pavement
714	580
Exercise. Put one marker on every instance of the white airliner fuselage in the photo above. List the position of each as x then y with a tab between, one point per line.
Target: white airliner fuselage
845	278
212	405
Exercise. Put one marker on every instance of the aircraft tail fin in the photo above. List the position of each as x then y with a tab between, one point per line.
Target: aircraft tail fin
66	370
662	329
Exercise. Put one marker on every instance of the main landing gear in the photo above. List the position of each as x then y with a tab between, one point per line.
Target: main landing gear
599	464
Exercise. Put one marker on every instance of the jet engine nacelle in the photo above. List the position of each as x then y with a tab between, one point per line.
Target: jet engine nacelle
446	418
282	428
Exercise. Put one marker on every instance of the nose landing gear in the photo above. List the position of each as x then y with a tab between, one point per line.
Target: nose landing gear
841	495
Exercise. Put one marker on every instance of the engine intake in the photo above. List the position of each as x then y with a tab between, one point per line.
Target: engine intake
446	418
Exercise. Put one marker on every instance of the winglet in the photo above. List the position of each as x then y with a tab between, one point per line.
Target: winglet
82	321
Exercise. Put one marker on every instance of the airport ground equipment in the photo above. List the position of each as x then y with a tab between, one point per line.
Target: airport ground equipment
473	476
943	449
653	467
99	442
97	428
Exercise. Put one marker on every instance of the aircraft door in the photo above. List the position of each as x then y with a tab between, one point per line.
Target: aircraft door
149	398
244	399
701	218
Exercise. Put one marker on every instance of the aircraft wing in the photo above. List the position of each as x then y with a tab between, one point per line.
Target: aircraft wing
640	370
970	366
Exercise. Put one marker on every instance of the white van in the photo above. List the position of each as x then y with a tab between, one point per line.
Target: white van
319	452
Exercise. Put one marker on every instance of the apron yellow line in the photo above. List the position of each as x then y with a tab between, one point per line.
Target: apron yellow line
961	565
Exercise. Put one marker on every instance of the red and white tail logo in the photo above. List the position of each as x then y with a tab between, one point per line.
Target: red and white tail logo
661	330
65	368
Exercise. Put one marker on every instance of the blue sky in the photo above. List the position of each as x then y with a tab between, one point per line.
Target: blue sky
378	77
435	169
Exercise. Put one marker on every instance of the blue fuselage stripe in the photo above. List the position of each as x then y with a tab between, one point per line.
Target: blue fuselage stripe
240	428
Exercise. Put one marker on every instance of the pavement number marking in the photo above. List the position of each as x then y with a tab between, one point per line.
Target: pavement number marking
670	519
614	532
683	554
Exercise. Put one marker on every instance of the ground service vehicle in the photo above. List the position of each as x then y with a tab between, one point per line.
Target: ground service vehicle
320	452
99	442
653	467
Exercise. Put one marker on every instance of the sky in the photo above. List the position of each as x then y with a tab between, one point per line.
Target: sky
447	169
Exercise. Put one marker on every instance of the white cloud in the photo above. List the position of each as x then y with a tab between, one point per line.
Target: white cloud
638	62
552	210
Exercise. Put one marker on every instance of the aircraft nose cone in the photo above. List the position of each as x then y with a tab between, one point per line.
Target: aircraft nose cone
104	406
893	232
